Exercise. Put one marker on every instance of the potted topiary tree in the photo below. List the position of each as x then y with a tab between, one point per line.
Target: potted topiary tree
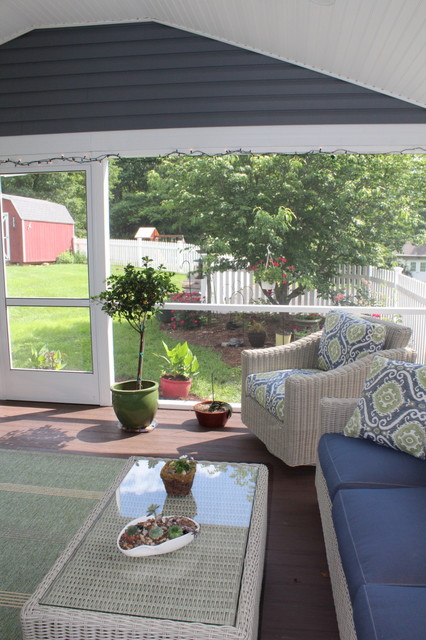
135	296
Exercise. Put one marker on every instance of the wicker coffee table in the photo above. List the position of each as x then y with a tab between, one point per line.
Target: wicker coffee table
210	589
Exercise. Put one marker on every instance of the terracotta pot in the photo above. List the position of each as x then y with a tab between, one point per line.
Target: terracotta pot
171	388
177	484
210	419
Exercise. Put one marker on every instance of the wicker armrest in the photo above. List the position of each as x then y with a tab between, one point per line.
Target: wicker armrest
301	354
335	413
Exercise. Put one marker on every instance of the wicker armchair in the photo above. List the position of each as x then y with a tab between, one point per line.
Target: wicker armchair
294	439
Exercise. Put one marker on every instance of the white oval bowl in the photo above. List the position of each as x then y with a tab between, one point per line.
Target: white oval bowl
144	550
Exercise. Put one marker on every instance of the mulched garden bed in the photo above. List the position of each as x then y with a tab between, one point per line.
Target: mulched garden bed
221	329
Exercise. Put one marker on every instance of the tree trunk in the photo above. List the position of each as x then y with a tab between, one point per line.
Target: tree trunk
140	359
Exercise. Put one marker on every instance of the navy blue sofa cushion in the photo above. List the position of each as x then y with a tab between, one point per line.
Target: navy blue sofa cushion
381	536
390	613
358	463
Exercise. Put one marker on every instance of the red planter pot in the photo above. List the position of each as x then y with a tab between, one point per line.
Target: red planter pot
174	389
210	419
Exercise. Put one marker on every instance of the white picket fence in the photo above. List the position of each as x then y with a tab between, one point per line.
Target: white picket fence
389	286
178	257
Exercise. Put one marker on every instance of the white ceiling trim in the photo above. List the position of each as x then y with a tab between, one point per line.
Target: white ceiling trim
213	140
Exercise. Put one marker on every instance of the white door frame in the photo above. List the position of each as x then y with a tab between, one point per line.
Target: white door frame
68	386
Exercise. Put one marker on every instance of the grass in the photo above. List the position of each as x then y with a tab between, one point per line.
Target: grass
67	329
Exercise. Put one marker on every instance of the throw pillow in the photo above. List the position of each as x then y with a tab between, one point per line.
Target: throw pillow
392	407
346	338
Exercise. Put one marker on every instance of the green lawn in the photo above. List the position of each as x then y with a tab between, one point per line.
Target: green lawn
67	329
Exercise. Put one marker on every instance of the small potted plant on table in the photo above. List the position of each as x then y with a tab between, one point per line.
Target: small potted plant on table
178	475
180	365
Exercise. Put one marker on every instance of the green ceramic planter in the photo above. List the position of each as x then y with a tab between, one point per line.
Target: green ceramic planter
135	408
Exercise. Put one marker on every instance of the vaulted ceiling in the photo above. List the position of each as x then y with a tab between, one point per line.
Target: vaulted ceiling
378	44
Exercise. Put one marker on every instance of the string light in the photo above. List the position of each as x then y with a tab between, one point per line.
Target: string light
86	159
318	151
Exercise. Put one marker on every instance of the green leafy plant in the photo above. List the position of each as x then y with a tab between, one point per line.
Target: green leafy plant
132	530
135	296
179	362
46	358
182	465
152	510
256	327
175	531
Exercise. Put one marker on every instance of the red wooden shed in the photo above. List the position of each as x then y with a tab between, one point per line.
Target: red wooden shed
37	230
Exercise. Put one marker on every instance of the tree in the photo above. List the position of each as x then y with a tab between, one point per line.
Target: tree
316	211
130	207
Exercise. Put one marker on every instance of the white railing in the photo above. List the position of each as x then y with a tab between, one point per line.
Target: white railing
389	286
179	257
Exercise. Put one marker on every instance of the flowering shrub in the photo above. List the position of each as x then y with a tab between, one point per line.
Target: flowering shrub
277	272
363	296
187	319
280	283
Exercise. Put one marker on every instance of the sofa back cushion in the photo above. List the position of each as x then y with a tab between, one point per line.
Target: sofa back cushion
392	408
346	338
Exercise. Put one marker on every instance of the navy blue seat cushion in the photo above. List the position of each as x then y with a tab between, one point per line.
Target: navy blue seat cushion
354	462
381	536
390	613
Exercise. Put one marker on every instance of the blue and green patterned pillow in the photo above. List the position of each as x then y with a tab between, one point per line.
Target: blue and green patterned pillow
392	407
268	388
346	338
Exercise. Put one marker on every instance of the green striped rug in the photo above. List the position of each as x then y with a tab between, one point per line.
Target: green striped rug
44	497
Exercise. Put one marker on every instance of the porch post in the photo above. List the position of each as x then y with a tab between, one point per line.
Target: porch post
99	251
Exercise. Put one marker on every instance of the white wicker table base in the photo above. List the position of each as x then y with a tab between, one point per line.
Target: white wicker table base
207	590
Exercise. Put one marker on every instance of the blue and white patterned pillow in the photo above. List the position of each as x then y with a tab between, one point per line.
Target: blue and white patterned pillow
346	338
392	407
268	388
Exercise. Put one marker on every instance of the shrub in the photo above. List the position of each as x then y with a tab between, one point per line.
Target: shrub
187	319
69	257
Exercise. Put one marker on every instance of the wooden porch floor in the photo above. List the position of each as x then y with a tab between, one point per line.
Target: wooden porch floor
296	601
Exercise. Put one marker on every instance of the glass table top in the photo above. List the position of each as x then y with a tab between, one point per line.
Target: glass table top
198	583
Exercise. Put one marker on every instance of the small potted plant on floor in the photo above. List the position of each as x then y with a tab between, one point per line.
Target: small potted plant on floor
178	475
179	367
212	413
134	296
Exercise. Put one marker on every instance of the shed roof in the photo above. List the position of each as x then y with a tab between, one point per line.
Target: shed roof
40	210
146	232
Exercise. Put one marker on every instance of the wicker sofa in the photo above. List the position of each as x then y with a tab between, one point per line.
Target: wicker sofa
372	504
294	438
